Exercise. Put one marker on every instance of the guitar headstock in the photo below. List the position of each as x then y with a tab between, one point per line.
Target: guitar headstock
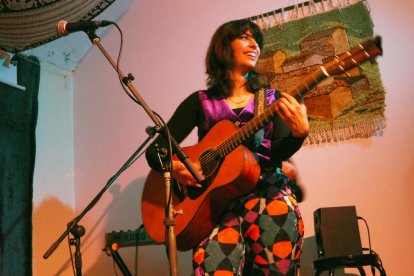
364	51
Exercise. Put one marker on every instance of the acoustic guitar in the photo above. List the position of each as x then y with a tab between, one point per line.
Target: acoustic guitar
230	169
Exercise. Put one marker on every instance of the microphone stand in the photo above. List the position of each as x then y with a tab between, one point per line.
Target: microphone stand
78	230
170	213
172	247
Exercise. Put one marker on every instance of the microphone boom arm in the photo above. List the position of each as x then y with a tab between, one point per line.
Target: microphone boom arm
127	81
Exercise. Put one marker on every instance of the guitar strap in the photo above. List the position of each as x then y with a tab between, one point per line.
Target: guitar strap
259	102
259	106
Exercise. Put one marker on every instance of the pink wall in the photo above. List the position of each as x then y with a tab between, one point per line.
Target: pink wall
164	47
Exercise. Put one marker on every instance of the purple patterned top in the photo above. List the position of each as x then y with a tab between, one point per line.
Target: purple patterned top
216	110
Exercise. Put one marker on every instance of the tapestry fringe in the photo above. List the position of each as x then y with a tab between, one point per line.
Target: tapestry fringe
363	129
299	11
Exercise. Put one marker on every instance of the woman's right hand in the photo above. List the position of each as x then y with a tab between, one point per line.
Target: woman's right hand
289	170
182	175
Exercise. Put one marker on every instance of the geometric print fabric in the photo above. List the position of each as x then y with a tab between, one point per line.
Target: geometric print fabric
260	235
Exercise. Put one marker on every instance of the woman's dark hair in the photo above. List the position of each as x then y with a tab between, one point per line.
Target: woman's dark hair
219	58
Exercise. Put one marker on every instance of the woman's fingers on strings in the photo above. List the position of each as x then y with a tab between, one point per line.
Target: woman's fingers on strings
284	109
293	114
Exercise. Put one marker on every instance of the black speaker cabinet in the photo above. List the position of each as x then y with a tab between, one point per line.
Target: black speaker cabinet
337	232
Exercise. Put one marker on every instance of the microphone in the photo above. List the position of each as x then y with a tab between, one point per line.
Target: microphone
64	28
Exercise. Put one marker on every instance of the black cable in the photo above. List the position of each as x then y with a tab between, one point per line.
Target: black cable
369	235
123	83
114	266
369	243
167	136
118	62
71	256
136	252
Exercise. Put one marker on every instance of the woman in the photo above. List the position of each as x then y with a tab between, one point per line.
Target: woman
259	233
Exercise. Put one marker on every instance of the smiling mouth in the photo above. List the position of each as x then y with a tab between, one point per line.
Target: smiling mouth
251	54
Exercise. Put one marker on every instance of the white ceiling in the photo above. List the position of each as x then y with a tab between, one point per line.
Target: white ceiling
66	52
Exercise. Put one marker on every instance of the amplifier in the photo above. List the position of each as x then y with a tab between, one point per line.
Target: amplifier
129	238
337	232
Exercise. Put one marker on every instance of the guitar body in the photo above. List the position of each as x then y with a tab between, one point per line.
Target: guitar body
237	174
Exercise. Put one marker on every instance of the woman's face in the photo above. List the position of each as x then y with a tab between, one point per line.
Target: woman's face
246	52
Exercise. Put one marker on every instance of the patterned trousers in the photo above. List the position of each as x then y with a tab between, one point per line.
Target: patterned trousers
260	234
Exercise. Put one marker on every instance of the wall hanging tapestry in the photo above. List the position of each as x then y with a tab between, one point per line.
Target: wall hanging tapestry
340	107
31	23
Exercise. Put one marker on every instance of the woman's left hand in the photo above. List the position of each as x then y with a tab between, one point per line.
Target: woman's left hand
293	114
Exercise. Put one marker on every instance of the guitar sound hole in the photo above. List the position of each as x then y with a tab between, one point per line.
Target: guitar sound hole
210	165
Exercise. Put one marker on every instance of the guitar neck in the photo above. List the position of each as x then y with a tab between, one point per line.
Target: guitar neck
364	51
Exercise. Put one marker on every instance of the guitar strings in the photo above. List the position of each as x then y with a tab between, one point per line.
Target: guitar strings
235	140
